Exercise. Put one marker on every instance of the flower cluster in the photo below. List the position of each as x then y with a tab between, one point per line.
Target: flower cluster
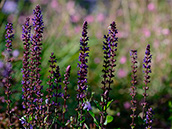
7	78
66	95
147	70
25	71
82	73
110	48
149	120
35	60
133	87
9	36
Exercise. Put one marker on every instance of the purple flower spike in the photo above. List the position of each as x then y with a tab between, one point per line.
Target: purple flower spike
82	73
35	61
8	69
83	69
149	120
25	70
9	36
147	70
110	49
133	87
66	95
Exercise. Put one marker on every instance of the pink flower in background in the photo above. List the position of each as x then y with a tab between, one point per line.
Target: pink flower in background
54	4
99	35
77	29
151	7
21	19
97	60
165	31
44	2
127	105
71	7
75	18
10	18
122	73
118	114
146	32
89	18
122	34
156	44
123	60
100	17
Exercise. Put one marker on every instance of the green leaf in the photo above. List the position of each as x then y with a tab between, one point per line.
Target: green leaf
83	120
95	120
45	119
108	119
97	105
108	104
30	118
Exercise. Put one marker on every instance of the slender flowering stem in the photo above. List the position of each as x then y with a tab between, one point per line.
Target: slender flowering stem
35	64
133	87
66	95
56	92
25	70
7	79
110	48
51	85
105	70
147	70
82	73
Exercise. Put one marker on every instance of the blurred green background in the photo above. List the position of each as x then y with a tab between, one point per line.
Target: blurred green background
139	22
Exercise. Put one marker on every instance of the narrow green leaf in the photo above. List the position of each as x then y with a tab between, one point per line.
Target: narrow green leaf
83	120
30	118
45	119
108	104
95	120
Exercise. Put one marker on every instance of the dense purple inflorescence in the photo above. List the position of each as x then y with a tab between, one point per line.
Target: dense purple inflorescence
35	62
83	69
82	73
110	48
133	87
25	70
147	70
7	77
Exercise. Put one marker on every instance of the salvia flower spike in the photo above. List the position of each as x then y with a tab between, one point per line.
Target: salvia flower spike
110	48
66	95
149	118
35	58
49	96
7	78
25	70
147	70
83	69
133	87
